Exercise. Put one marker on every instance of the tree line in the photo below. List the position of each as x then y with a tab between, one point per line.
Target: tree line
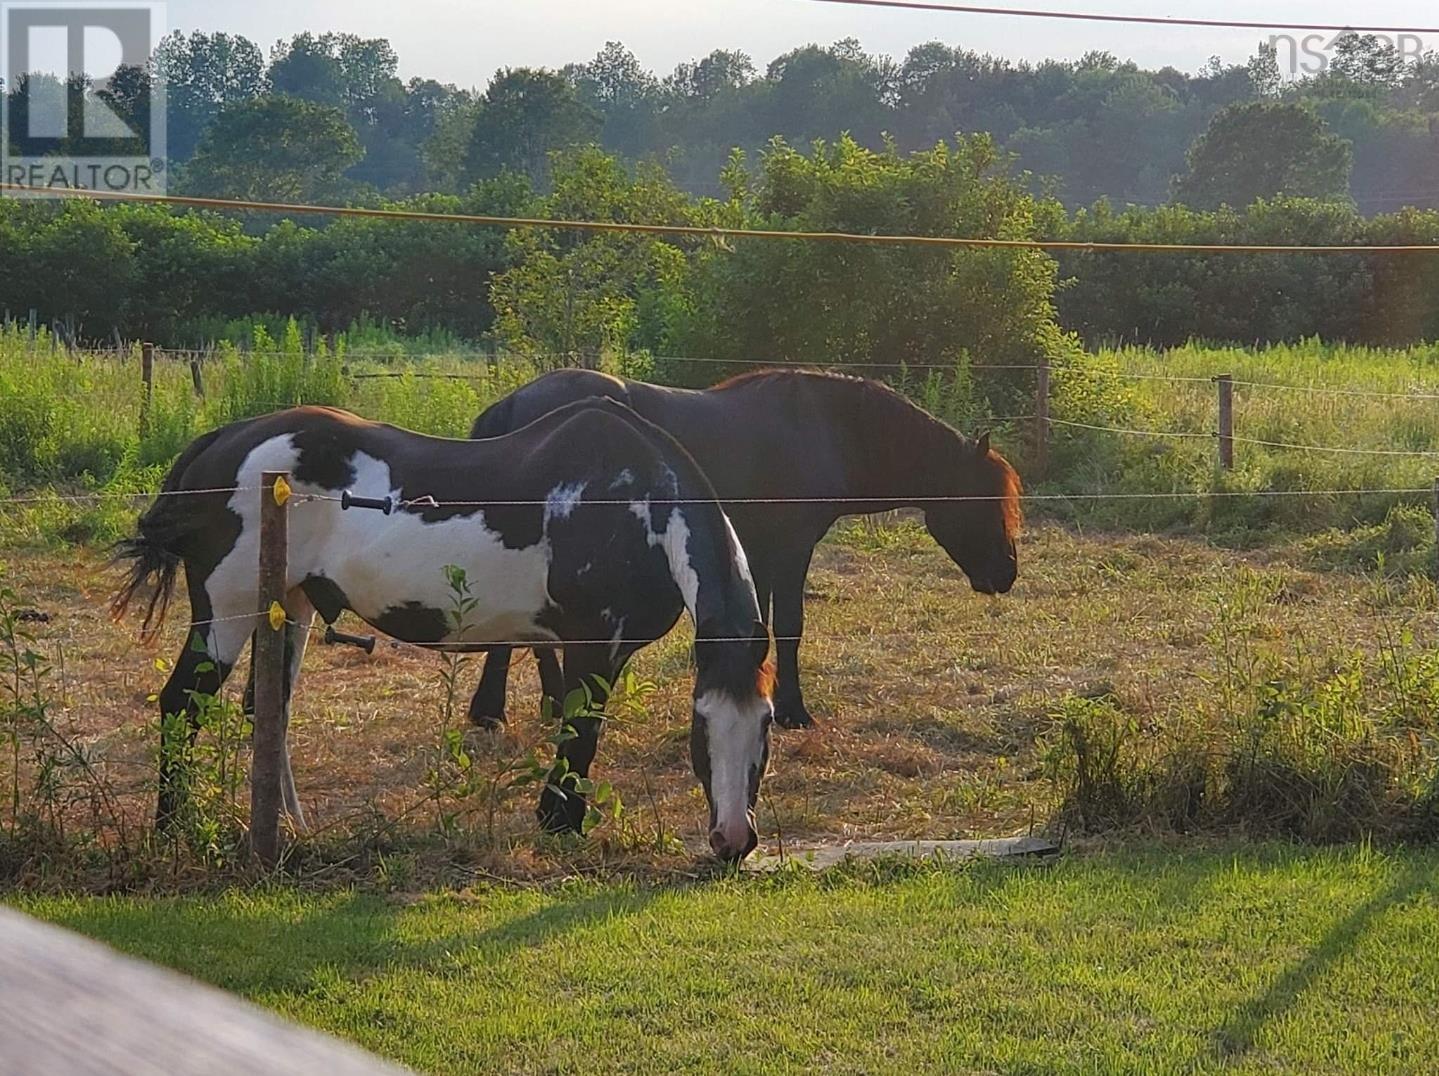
327	115
138	271
1322	159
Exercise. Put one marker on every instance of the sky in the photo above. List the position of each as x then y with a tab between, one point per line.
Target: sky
466	41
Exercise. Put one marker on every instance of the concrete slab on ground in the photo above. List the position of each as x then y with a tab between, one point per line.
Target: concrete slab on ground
819	857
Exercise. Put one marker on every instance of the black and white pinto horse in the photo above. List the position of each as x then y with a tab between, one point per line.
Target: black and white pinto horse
590	530
790	452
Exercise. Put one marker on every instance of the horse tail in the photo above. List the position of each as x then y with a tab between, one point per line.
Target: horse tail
494	421
154	552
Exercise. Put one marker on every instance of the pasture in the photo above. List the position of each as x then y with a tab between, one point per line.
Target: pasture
1182	689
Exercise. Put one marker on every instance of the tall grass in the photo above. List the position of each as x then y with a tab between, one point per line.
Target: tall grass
1132	388
70	422
1316	740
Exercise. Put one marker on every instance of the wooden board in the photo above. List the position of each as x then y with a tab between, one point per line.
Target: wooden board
69	1005
829	855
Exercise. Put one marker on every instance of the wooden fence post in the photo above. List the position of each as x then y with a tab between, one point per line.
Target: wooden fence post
1041	417
147	375
1226	420
270	659
1436	528
196	377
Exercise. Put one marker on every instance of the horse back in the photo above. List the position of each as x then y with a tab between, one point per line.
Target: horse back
545	395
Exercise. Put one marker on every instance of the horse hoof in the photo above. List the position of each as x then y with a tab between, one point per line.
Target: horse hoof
792	715
487	722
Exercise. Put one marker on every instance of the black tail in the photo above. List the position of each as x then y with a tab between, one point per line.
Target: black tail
155	551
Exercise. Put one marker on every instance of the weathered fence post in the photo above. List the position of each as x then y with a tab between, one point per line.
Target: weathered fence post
1436	528
1226	420
196	378
1041	417
147	376
270	659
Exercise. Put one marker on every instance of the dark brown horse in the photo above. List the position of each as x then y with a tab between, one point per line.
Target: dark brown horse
789	453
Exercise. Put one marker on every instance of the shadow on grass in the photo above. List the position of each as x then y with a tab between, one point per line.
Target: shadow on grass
233	948
1237	1036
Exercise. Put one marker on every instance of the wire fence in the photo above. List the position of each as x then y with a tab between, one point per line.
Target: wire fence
492	359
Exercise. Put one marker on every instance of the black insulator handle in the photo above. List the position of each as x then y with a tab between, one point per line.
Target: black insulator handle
380	504
339	638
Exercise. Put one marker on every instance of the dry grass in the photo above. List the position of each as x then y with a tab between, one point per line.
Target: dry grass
933	700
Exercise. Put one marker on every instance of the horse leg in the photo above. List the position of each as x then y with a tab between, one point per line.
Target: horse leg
212	647
248	706
562	807
297	636
487	707
552	681
789	577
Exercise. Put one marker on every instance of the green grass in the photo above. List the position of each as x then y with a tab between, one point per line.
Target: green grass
1268	959
1129	388
71	423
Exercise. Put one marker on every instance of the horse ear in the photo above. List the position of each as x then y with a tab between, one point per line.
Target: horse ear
981	445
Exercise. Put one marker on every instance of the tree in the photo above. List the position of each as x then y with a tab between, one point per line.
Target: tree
1367	59
274	148
525	116
202	75
836	303
1261	150
1263	69
623	92
306	67
576	299
720	72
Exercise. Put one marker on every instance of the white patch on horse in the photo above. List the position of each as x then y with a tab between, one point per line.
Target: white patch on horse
380	562
741	561
736	747
674	540
624	478
617	640
562	501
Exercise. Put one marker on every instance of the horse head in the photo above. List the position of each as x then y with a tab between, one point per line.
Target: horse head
978	522
729	736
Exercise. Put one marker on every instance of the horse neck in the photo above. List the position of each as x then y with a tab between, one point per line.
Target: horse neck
898	453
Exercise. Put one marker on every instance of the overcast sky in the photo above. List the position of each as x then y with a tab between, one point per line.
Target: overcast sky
465	41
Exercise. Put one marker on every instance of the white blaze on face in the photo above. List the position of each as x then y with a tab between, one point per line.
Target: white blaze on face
736	742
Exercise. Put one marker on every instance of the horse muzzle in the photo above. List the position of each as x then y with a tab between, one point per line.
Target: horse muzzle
734	844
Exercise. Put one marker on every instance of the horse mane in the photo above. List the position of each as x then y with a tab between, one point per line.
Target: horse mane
778	373
877	398
1011	490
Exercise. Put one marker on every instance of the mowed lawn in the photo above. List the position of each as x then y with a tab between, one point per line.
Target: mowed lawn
1264	959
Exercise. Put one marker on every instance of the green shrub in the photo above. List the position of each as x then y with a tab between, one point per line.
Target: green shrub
1327	747
1402	544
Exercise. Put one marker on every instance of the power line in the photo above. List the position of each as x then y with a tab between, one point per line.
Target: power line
716	233
1145	20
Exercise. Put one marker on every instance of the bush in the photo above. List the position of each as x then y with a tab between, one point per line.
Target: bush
1334	749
